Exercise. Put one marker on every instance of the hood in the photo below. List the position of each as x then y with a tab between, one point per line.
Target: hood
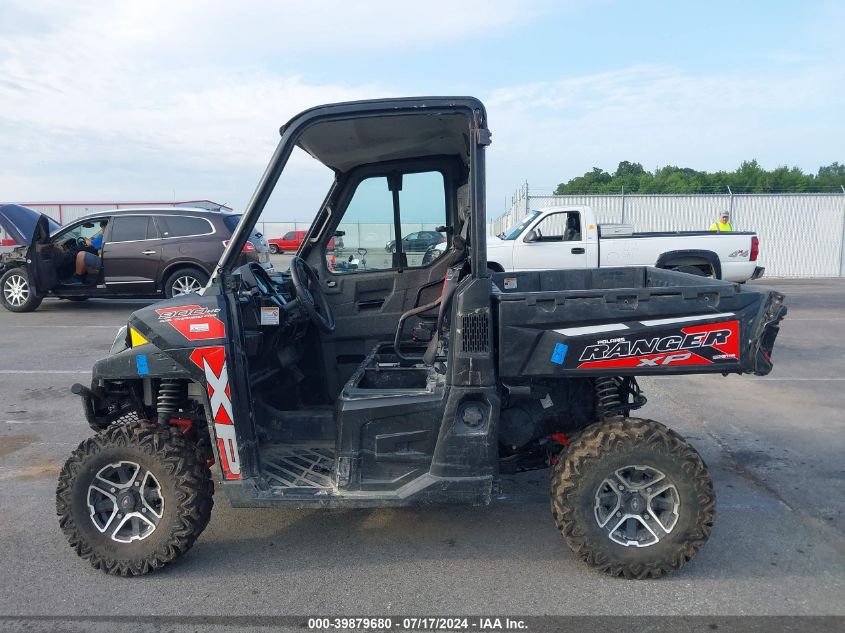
19	223
496	242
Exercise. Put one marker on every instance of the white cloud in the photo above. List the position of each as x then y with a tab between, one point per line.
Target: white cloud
136	100
658	115
91	93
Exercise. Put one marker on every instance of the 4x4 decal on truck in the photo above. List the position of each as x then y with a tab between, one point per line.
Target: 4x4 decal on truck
212	360
711	342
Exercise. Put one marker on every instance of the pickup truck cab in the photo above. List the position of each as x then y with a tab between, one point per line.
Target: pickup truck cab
570	238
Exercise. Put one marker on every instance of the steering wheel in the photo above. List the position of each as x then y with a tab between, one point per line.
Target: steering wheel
81	243
311	295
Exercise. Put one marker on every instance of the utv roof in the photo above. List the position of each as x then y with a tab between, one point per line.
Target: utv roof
345	135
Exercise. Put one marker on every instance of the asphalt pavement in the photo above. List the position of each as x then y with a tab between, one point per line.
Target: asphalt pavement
774	445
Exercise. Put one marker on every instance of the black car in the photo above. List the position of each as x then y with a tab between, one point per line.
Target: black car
145	252
417	242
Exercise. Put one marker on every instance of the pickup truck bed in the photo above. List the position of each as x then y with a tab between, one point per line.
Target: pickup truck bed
677	247
631	321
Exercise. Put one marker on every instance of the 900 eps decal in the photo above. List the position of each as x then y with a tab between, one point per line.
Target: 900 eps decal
692	345
194	322
212	360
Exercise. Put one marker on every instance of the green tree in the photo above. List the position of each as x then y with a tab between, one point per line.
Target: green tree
749	177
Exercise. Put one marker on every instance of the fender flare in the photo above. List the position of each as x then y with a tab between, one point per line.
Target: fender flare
125	365
665	259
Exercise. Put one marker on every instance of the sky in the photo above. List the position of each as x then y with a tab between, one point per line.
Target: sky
162	100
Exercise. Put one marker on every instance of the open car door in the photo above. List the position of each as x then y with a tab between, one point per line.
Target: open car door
42	258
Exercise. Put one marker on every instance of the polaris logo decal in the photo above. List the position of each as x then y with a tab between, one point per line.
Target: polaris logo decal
694	345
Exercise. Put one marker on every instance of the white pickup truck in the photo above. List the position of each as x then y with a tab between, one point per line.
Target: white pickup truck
569	237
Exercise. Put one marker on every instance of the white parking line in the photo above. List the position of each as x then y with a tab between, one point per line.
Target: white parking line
45	371
791	318
53	327
835	379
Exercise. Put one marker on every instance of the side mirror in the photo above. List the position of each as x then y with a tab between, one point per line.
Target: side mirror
339	233
531	236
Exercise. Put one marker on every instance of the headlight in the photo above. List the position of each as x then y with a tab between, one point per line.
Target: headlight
120	342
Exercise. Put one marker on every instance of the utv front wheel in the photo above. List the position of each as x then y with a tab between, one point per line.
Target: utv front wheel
16	292
133	498
632	498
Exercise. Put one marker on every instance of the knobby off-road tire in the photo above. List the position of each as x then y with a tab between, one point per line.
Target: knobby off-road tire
177	490
603	455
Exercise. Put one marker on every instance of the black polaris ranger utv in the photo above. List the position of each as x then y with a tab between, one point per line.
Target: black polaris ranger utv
402	384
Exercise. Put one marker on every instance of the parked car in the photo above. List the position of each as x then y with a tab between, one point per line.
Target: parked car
417	242
292	240
147	252
569	237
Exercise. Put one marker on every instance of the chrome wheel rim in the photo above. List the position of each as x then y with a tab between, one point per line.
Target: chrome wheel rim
16	290
637	506
125	502
186	284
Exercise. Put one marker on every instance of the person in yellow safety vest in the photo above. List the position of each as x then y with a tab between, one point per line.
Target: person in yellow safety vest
723	224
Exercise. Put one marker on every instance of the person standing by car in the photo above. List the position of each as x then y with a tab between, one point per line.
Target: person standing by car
723	224
87	262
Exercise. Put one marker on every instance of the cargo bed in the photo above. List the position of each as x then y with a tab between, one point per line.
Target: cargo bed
631	321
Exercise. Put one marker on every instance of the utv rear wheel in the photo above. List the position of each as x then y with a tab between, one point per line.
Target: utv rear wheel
16	293
185	281
133	498
632	498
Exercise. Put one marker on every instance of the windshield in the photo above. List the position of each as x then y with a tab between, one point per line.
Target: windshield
516	230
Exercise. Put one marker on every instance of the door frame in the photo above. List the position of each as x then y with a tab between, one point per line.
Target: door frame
405	283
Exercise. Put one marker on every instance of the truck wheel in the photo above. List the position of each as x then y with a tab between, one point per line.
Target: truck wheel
274	249
632	498
133	498
185	281
16	293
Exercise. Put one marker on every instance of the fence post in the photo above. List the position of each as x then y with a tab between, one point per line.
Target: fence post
842	243
623	204
730	206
